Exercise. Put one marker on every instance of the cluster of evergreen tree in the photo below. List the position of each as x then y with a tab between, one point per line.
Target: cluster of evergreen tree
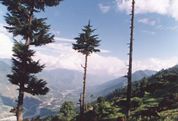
34	31
153	98
31	31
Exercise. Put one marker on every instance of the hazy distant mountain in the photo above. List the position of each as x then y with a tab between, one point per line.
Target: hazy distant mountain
110	86
63	79
64	85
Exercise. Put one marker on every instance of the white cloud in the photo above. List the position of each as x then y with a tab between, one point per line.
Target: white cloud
5	43
65	40
105	51
155	63
173	28
149	32
173	8
104	8
61	55
147	21
163	7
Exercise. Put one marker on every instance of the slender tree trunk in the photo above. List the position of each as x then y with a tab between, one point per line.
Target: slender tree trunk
21	92
129	86
84	83
20	104
80	103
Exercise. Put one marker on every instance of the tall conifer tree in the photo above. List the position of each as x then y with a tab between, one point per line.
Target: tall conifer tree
86	43
33	31
129	76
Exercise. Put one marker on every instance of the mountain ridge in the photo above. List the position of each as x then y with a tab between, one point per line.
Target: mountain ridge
110	86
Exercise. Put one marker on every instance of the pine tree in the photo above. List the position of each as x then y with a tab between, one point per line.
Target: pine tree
67	111
86	43
33	31
129	76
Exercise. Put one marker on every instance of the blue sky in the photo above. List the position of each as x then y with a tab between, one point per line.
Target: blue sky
113	28
71	16
156	34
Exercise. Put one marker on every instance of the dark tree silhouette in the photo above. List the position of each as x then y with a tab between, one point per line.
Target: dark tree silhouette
22	22
129	76
23	75
86	44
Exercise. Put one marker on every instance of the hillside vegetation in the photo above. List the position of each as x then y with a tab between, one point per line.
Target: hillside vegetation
153	99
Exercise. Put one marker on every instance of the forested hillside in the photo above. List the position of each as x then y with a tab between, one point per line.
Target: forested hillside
153	99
